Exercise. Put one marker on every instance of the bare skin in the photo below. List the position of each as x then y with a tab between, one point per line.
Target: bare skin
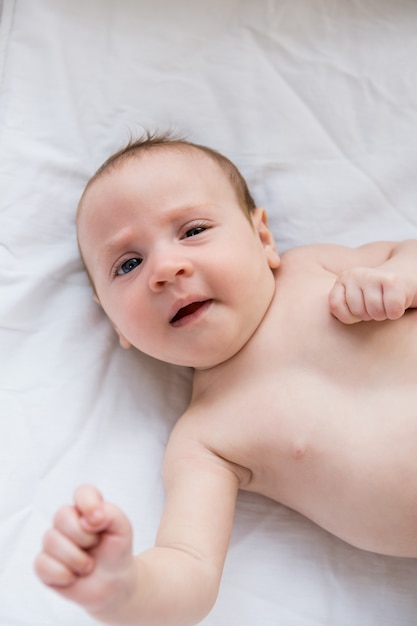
305	386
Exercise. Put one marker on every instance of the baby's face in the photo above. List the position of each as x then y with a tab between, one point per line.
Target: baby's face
177	266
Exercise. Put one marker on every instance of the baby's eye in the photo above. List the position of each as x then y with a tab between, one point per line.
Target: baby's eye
128	266
192	232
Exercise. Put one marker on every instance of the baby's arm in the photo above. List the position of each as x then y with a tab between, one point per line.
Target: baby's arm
87	555
375	282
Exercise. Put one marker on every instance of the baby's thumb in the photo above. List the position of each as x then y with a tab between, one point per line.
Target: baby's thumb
89	503
99	516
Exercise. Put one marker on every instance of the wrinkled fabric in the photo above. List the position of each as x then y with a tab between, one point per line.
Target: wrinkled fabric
316	102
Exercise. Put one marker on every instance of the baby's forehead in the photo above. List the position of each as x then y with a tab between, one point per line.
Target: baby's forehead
154	155
157	155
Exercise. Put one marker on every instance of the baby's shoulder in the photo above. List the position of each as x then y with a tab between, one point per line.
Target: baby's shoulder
335	258
317	253
307	261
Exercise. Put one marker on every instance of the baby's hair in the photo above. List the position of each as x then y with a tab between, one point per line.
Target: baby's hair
151	141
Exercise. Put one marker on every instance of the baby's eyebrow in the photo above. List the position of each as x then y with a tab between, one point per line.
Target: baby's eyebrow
116	243
180	211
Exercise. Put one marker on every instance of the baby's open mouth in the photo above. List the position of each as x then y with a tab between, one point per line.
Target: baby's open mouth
189	310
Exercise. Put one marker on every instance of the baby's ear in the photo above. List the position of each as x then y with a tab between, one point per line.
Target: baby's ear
260	224
122	339
126	345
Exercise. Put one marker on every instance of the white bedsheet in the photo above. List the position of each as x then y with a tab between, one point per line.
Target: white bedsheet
316	101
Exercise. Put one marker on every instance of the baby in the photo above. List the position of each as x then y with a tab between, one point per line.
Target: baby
304	389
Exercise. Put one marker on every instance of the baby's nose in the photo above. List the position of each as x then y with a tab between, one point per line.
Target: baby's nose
168	269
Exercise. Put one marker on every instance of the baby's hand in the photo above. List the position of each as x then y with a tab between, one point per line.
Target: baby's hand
364	294
87	551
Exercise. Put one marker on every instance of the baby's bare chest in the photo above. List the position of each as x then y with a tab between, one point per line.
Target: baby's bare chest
340	450
312	414
322	417
306	409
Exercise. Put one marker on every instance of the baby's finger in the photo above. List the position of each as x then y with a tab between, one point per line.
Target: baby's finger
395	298
355	301
89	503
52	572
374	302
67	521
106	519
338	304
62	549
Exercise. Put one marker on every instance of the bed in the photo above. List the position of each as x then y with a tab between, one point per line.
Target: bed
316	102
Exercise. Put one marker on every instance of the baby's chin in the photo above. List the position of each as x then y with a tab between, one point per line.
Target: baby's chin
208	361
198	362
